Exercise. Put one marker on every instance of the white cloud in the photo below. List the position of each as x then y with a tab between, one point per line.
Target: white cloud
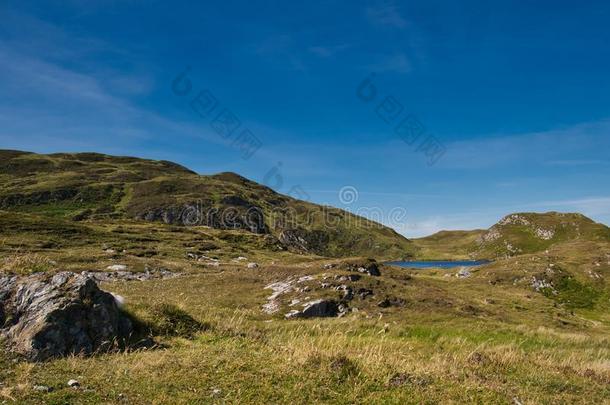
590	206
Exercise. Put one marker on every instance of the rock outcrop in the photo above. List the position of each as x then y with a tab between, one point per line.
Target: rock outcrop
45	316
319	308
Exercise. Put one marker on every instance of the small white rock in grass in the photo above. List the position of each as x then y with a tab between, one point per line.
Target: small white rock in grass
463	273
73	383
117	267
252	265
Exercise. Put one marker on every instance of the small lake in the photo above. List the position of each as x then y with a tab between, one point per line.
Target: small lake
445	264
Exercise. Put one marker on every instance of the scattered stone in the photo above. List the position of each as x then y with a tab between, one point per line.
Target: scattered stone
369	267
73	384
541	284
364	292
216	392
348	293
252	265
45	316
117	267
372	270
292	314
149	274
42	388
329	266
271	307
348	277
241	258
463	273
391	302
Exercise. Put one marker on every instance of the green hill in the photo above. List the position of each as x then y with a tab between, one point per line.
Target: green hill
513	235
95	187
447	245
524	233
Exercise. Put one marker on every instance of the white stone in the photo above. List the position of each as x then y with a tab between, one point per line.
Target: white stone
117	267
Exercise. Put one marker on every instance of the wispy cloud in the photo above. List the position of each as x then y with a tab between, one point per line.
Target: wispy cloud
592	206
548	147
52	104
386	14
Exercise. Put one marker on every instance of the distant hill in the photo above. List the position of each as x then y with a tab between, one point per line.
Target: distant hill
513	235
97	187
448	245
523	233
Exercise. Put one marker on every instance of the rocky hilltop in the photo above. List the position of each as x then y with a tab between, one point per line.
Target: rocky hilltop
513	235
523	233
97	187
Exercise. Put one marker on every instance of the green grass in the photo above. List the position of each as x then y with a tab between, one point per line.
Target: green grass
489	338
212	335
102	187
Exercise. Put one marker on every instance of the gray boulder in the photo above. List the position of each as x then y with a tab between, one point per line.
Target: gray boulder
44	316
318	309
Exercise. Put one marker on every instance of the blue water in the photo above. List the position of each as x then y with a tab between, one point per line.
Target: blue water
439	263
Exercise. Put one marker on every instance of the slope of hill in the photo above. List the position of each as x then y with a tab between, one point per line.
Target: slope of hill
447	245
524	233
513	235
96	187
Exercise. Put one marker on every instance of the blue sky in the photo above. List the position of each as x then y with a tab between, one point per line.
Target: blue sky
517	93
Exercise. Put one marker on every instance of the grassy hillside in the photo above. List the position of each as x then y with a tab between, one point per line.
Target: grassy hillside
524	233
94	187
531	327
513	235
489	338
447	245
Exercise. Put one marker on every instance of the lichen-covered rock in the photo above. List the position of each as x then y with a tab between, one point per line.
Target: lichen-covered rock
44	316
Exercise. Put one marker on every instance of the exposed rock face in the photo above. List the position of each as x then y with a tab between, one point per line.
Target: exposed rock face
243	215
301	240
45	316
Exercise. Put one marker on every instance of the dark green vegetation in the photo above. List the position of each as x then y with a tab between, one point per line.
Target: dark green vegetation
95	187
531	327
